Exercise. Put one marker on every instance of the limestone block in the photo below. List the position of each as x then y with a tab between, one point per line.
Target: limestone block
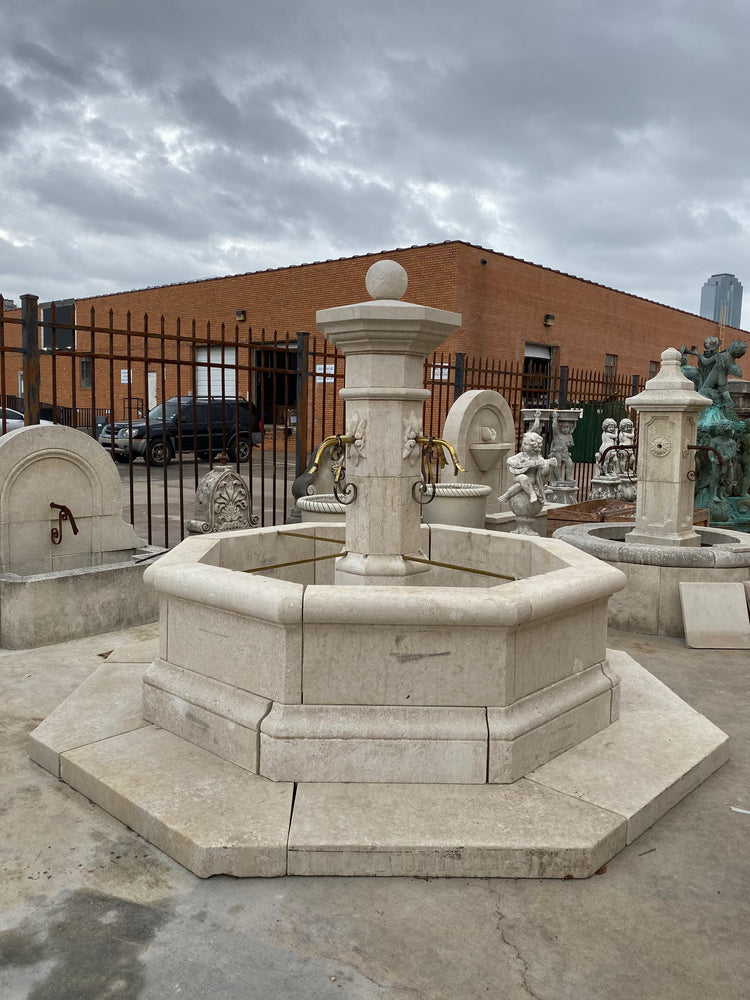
636	606
345	743
250	653
561	645
524	739
487	831
639	767
222	719
385	665
46	608
715	615
671	621
243	550
106	704
209	815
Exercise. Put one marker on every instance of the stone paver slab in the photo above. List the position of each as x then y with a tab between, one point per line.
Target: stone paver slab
515	831
209	815
659	750
106	704
715	615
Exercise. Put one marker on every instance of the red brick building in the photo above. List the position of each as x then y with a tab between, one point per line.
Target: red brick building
512	310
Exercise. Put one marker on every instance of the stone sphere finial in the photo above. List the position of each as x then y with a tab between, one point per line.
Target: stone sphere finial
386	279
671	354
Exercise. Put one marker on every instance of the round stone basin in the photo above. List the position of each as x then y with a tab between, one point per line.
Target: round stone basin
463	504
492	664
650	601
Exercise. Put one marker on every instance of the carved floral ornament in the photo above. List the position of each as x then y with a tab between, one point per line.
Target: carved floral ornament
660	447
355	428
412	430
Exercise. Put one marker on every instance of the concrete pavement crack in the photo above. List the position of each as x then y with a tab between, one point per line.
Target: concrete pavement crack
516	952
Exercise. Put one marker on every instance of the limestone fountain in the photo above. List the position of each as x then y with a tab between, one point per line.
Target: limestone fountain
394	698
663	548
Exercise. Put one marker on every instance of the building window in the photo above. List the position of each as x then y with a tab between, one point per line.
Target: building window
653	368
610	366
20	383
86	366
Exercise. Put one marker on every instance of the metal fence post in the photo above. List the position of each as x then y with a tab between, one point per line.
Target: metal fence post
562	395
30	344
460	379
303	351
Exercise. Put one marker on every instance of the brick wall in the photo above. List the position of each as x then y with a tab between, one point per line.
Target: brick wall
503	303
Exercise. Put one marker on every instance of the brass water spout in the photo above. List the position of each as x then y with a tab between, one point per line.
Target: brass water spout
438	447
332	441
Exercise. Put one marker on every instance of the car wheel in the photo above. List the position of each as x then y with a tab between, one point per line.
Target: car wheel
159	453
239	450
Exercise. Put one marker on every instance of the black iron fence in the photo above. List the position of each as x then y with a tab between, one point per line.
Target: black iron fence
92	375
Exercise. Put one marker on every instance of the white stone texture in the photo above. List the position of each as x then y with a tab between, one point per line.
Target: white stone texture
480	427
567	818
545	724
106	704
668	408
207	814
386	279
512	831
715	616
54	464
249	652
388	744
219	717
658	751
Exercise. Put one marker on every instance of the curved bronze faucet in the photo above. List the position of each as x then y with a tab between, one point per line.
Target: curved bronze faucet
332	441
438	447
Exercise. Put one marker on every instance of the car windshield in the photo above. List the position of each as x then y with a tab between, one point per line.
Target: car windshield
170	407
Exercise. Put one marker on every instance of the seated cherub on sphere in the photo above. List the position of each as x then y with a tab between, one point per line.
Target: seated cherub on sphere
529	469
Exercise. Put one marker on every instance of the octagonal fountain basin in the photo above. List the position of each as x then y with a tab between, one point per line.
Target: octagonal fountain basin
494	663
650	601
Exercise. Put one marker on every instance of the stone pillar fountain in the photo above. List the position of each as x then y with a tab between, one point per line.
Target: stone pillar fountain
468	724
385	343
668	408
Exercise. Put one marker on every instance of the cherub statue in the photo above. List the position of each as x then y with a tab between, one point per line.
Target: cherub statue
704	362
607	465
715	385
720	482
562	442
530	470
745	447
626	438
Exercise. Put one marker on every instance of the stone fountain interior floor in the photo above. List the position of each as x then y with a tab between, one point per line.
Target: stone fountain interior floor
565	819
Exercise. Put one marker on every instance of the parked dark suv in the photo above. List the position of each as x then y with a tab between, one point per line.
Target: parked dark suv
199	424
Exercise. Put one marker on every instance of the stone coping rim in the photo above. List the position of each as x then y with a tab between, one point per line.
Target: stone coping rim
142	557
597	540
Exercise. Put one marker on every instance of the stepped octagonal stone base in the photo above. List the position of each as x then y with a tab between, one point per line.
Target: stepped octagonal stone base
565	819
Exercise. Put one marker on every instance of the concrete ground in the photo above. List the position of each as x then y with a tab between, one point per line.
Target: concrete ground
89	911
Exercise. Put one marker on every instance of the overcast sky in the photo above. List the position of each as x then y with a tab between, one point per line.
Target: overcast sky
144	142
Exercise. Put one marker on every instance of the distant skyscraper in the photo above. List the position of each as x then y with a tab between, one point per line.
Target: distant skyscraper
722	290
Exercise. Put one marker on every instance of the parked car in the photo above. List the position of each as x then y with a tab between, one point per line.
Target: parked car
14	420
199	424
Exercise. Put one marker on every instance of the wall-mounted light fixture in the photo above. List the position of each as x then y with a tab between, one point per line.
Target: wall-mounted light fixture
549	319
483	261
240	315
